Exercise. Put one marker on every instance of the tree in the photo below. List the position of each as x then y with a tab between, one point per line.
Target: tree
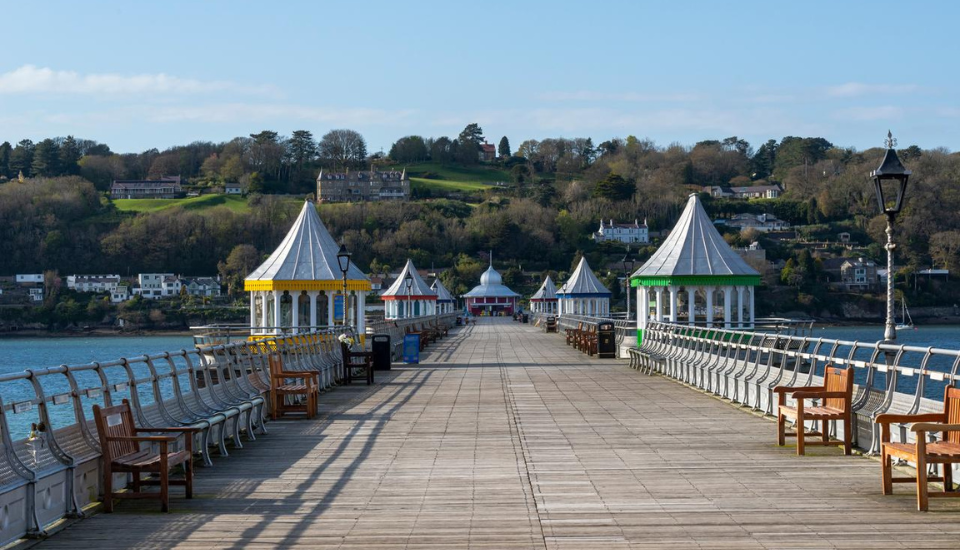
5	150
46	159
469	144
69	156
763	159
21	158
343	148
409	149
441	150
614	187
504	148
945	249
302	147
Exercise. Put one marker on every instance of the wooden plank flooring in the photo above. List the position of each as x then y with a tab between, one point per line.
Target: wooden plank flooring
505	438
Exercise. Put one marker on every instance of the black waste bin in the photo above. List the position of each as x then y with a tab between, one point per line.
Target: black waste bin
526	317
606	340
380	345
459	321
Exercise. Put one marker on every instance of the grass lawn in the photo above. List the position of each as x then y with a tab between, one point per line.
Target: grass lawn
477	175
446	185
233	202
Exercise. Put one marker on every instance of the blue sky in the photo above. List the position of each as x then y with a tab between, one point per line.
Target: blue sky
137	75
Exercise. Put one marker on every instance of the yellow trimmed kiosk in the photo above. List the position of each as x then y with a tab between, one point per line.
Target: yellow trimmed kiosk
300	286
692	273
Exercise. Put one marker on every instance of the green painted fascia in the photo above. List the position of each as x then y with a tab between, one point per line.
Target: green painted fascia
696	280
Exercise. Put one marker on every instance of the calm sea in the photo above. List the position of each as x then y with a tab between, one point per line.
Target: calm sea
17	354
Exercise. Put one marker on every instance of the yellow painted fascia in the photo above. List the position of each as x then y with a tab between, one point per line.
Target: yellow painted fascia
333	286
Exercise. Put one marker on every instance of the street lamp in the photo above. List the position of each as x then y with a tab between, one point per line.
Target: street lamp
408	280
890	181
343	258
628	270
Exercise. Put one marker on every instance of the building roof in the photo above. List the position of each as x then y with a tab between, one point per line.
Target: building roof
418	289
583	283
491	285
694	247
547	291
308	254
443	295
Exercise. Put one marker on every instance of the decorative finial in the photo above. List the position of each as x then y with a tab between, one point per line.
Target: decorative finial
891	142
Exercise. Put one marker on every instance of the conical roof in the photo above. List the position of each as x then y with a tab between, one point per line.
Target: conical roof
547	291
418	289
306	256
443	295
694	247
583	282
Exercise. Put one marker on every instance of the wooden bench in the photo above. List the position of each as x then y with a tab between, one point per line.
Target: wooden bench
587	340
836	395
305	384
121	449
571	333
357	365
945	452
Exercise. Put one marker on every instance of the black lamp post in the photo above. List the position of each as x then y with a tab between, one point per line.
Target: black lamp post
343	258
628	270
408	280
890	181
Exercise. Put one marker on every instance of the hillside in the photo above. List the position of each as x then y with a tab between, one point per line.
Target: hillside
437	177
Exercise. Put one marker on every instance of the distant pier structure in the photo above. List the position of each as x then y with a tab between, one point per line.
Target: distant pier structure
692	274
583	294
299	288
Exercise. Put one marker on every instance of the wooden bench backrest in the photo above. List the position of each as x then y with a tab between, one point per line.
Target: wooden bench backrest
276	363
951	408
113	422
837	379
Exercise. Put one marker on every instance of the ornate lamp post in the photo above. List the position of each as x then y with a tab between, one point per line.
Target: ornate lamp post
628	270
890	181
343	258
408	280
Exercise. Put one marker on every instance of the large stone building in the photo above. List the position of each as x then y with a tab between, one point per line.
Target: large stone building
362	186
167	187
629	233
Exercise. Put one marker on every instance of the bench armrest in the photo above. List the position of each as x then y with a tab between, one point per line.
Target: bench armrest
148	438
889	418
818	394
168	430
296	374
934	427
788	389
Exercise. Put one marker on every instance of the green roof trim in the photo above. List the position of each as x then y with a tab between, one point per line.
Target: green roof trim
696	280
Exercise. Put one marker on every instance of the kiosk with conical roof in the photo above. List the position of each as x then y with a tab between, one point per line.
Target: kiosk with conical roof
299	287
691	273
545	299
583	294
409	296
445	301
491	296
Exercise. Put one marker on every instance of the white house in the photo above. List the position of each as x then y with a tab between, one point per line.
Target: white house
233	189
157	285
760	222
121	293
93	283
29	278
623	232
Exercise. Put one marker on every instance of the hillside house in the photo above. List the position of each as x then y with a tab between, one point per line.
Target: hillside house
167	187
232	189
852	274
488	152
369	185
201	286
154	286
120	294
629	233
93	283
750	192
760	222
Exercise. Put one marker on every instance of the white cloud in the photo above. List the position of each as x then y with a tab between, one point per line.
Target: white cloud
858	89
30	79
883	112
586	95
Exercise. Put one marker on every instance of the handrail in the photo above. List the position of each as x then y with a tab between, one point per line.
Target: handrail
49	452
745	366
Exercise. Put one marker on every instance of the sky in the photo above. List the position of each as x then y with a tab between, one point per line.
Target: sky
139	75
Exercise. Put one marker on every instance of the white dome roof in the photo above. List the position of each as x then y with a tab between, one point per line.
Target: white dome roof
491	277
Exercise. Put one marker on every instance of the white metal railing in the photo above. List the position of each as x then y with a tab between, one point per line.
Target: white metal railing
744	367
49	450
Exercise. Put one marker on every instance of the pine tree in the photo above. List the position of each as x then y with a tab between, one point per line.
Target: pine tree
504	148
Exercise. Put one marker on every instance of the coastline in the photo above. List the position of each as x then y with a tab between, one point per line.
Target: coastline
93	333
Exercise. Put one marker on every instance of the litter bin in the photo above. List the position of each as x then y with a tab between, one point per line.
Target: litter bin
526	317
606	340
380	345
459	321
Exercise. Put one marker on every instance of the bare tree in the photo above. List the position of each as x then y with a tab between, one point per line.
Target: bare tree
343	148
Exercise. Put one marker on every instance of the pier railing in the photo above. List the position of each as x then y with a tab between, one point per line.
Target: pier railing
744	367
49	451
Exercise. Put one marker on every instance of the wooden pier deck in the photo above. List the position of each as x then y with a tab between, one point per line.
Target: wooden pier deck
505	438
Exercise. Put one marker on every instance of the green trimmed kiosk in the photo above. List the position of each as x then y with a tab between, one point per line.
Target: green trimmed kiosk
695	278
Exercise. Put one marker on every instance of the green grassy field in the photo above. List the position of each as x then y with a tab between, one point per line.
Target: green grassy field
480	175
233	202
